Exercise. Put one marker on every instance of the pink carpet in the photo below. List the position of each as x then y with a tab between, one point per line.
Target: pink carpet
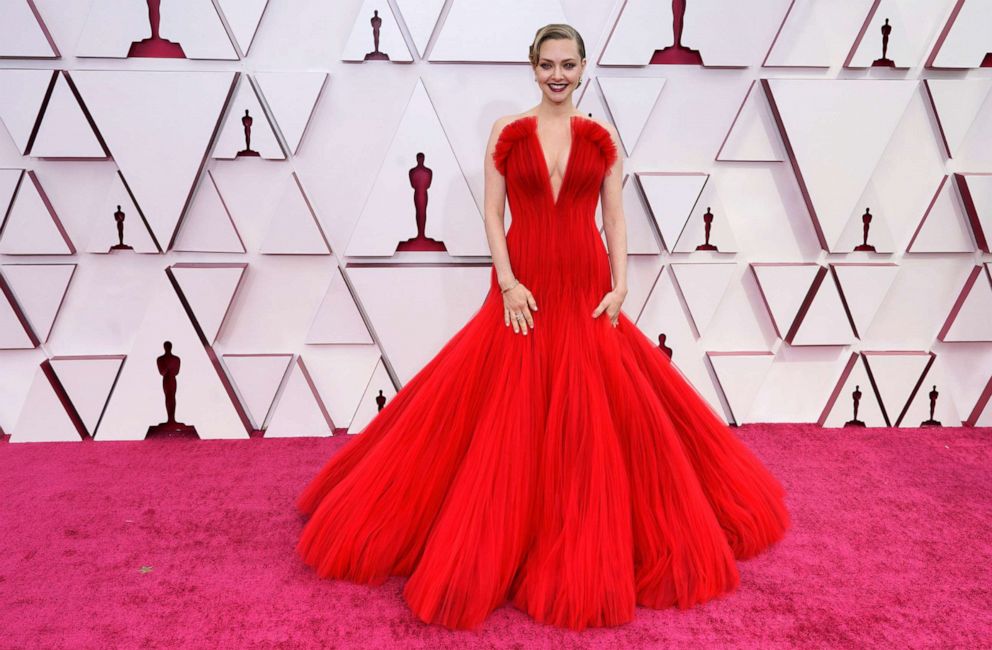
184	543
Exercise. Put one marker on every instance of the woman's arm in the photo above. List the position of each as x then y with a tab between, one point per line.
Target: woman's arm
611	197
494	209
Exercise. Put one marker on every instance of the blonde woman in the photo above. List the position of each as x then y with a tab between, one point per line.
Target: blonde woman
549	455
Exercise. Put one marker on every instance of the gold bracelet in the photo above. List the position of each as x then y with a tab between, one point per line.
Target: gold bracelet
516	282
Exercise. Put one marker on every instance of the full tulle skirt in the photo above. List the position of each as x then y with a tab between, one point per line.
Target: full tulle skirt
573	472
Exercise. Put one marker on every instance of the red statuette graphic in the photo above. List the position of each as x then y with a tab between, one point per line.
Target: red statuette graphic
155	46
676	53
420	179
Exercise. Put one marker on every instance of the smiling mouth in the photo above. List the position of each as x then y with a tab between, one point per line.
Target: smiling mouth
558	87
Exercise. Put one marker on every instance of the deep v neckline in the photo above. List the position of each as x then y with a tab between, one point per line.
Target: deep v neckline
568	158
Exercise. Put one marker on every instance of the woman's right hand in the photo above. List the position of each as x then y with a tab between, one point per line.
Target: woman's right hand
517	305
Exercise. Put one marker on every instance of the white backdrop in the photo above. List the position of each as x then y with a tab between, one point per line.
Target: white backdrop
276	276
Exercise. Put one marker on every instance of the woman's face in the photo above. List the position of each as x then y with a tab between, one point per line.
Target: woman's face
559	68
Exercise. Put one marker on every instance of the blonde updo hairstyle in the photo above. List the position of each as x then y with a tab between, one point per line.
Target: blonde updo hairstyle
555	30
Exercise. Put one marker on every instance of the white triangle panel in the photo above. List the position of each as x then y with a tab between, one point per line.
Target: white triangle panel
753	136
138	402
964	41
338	319
39	290
389	215
210	290
22	93
257	378
784	287
341	373
380	388
292	97
421	18
976	191
15	332
592	104
816	34
896	374
825	322
158	126
416	310
945	410
233	138
643	272
642	236
913	24
840	408
865	286
32	227
721	233
944	227
197	27
10	180
740	375
103	222
112	25
956	103
879	234
630	101
299	411
507	24
43	418
829	120
970	319
672	197
243	17
208	226
293	227
64	131
88	382
703	287
23	35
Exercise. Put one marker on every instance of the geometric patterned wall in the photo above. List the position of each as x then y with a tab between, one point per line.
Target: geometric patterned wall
809	215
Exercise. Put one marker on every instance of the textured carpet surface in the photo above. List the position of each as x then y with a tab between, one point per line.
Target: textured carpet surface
182	543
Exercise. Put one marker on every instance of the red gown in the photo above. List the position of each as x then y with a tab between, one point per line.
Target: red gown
573	472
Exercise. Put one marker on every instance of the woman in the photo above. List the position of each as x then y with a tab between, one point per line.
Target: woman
567	468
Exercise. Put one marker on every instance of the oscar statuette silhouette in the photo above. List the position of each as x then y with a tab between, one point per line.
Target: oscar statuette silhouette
884	62
246	122
380	400
707	224
155	46
676	53
856	396
376	55
865	225
933	405
420	181
119	220
168	366
663	346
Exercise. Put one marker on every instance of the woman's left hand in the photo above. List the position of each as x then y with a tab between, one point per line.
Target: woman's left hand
611	305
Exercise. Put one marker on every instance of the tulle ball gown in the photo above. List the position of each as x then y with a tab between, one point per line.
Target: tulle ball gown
572	472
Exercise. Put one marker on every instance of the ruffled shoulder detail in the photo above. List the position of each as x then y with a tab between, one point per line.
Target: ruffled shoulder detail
512	133
598	134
